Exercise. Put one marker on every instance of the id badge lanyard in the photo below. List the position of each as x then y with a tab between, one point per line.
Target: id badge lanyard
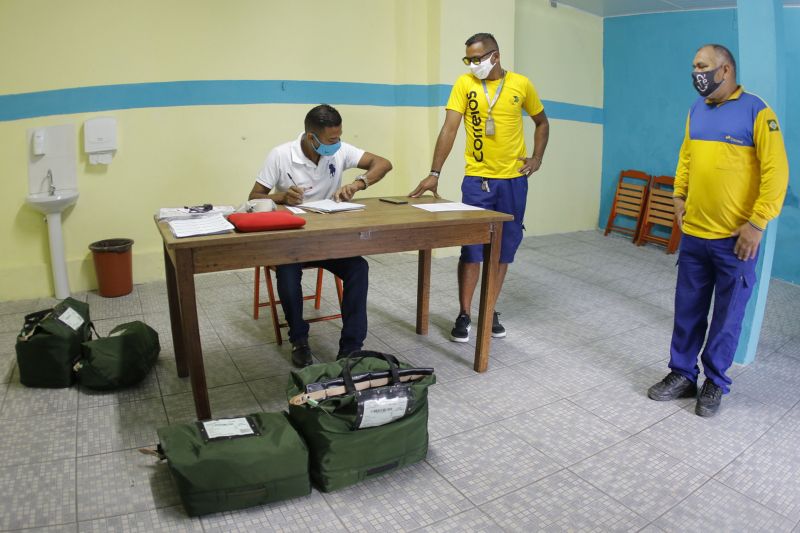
489	119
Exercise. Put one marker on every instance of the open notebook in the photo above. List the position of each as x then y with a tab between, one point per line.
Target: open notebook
330	206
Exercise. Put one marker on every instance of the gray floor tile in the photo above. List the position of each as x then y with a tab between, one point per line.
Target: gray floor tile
709	444
719	508
144	390
262	361
767	472
564	432
564	372
562	502
37	495
412	497
473	520
773	380
487	462
120	307
166	520
37	438
624	402
117	427
122	483
641	477
271	392
219	369
21	401
448	415
503	393
450	360
310	513
227	401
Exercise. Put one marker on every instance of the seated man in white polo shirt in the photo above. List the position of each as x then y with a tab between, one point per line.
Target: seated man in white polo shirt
307	169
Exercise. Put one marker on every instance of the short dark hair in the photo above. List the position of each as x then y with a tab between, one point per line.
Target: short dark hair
321	117
724	52
483	38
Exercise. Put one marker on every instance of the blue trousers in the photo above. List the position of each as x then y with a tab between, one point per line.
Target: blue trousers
354	273
706	267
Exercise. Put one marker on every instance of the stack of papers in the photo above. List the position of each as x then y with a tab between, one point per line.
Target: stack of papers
178	213
330	206
205	225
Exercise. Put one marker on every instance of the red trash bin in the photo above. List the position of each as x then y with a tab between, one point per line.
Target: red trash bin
113	264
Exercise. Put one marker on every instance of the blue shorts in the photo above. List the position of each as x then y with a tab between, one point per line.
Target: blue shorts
506	196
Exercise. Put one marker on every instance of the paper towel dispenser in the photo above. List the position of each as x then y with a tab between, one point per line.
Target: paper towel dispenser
100	139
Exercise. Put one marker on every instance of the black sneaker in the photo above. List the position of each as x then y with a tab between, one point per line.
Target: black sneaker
344	353
709	399
301	354
671	387
460	332
498	331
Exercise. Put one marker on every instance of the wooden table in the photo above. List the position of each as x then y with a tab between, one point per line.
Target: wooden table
380	228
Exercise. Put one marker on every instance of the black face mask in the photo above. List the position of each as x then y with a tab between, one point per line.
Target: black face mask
704	81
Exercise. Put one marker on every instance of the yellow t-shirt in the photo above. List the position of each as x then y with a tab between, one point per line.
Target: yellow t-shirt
494	156
732	166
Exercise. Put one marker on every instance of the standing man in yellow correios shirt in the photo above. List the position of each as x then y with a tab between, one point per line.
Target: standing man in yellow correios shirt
491	101
731	180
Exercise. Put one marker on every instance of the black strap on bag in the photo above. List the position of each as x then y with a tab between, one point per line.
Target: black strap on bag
381	405
32	320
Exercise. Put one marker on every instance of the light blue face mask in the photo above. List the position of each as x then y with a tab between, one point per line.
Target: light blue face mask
326	150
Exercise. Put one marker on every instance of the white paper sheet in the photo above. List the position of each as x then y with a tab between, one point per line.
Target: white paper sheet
227	427
208	225
295	210
448	206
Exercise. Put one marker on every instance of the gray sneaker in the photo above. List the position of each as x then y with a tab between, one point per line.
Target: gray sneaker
460	332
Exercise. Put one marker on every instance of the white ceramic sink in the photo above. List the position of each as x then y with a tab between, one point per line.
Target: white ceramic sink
52	203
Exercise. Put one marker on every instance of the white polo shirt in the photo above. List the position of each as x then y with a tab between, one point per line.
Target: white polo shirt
321	181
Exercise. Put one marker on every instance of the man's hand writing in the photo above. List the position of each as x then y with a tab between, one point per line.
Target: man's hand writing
293	196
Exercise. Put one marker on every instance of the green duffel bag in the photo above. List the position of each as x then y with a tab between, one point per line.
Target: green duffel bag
227	464
121	359
50	343
361	416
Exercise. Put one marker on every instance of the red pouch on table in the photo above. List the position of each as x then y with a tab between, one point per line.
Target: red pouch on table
266	221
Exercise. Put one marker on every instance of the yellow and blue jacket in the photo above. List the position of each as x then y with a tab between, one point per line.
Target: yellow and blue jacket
732	166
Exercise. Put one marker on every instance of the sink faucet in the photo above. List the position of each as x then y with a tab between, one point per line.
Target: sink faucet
51	188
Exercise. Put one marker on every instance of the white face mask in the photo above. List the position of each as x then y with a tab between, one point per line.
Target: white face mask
483	69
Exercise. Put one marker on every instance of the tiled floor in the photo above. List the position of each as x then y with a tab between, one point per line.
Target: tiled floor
558	435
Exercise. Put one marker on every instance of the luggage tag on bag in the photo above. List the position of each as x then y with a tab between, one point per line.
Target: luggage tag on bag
228	428
382	405
71	318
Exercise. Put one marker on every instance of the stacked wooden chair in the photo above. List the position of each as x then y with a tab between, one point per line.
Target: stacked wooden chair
629	201
660	211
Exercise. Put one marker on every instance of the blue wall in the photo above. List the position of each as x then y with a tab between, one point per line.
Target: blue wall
647	60
787	249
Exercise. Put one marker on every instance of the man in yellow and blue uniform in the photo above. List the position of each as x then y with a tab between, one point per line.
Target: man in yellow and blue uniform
731	181
491	101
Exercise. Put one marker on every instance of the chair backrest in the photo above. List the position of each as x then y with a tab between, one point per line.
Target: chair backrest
660	207
631	195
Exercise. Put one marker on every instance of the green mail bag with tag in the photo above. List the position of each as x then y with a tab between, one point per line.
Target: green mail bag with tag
121	359
361	416
226	464
50	343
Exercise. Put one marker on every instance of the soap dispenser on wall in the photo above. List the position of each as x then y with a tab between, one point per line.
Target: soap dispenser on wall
100	139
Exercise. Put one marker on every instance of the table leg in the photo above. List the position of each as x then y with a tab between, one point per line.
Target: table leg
423	291
191	332
491	262
175	316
